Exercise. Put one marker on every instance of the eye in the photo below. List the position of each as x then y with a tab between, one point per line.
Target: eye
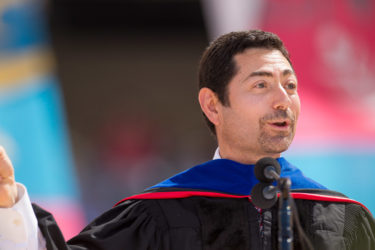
260	85
291	86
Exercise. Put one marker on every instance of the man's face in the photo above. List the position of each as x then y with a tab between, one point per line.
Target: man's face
263	106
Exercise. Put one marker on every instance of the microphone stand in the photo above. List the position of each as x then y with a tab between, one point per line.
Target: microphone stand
264	195
285	235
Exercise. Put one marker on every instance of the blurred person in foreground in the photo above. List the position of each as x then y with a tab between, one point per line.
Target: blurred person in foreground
248	95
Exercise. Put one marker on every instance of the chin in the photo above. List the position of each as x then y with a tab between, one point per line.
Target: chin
275	150
276	145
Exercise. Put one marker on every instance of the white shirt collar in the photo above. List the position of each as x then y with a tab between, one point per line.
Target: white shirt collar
217	154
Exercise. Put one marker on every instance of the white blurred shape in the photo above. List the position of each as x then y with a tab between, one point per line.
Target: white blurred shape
347	58
224	16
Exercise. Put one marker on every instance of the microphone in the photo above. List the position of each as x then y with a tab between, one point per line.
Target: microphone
267	170
264	194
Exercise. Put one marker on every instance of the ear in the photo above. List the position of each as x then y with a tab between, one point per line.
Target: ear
209	102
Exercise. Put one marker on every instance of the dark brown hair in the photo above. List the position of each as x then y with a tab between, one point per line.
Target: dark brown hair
217	66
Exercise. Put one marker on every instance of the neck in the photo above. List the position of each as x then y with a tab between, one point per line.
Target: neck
245	157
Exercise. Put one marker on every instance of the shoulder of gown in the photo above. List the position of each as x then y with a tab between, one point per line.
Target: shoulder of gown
136	224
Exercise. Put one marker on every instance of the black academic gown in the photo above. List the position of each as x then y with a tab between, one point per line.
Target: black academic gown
208	207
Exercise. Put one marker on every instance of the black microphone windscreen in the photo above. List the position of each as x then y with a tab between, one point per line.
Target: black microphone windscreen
263	196
261	165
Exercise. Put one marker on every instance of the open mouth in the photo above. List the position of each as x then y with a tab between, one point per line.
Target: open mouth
280	124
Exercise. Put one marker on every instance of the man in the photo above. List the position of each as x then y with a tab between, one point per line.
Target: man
248	95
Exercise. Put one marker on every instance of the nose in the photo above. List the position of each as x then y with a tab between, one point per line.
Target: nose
281	98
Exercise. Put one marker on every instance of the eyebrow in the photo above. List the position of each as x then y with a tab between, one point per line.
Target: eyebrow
286	72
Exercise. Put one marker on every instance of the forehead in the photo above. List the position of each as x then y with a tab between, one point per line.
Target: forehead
254	59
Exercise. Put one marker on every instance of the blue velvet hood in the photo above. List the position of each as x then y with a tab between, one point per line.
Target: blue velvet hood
223	175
